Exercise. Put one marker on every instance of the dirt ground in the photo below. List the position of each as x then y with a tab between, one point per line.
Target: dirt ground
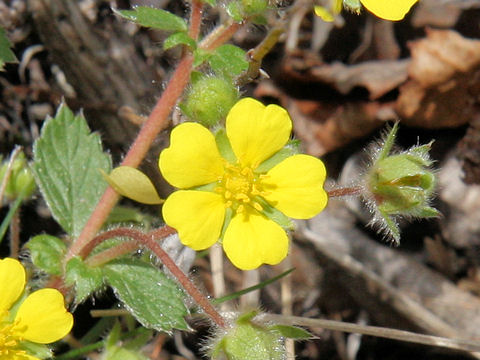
341	82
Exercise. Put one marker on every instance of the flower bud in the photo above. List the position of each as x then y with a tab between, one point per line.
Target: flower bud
210	99
399	184
21	179
248	340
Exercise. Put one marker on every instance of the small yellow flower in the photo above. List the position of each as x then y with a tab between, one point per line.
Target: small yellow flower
240	192
389	9
41	318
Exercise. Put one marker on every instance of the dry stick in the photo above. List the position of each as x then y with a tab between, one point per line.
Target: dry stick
457	344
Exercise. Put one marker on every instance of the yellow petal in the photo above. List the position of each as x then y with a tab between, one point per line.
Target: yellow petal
192	158
42	317
198	217
324	14
252	240
134	184
256	132
295	186
12	283
389	9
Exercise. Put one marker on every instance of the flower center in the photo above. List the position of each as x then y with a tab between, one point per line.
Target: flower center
239	187
8	342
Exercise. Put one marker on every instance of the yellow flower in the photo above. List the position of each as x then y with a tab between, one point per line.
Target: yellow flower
389	9
41	318
239	192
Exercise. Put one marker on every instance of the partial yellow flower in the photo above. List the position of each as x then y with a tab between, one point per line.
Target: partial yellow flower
389	9
41	318
393	10
230	194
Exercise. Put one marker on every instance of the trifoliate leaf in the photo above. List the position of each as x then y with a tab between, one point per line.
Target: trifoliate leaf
153	298
228	60
134	184
47	252
67	160
154	18
6	54
179	38
84	278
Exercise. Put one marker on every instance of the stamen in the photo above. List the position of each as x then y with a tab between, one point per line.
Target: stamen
257	206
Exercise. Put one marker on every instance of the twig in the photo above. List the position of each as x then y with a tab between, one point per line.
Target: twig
402	335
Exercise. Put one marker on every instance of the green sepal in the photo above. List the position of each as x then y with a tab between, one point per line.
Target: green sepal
179	38
292	332
40	351
83	278
148	294
276	215
154	18
46	253
288	150
224	146
228	60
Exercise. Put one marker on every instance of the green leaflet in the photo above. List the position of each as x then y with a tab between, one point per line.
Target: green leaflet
148	294
67	163
154	18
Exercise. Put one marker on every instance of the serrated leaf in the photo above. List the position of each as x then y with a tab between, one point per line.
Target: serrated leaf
228	60
6	54
154	299
179	38
85	279
134	184
292	332
67	160
154	18
234	10
47	252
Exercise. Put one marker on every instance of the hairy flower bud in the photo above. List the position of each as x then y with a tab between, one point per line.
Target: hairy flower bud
210	99
264	343
399	184
21	179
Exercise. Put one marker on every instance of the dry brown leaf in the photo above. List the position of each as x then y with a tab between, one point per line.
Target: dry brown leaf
444	81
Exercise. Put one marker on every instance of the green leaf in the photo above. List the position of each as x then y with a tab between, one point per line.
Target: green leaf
154	18
228	60
200	56
234	10
67	160
179	38
210	2
292	332
6	54
154	299
125	214
47	252
85	279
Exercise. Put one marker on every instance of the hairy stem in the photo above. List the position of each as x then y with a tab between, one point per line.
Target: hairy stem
148	241
220	36
157	121
195	19
348	191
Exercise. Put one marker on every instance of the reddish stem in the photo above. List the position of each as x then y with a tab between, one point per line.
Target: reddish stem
149	242
220	37
195	19
157	121
111	253
348	191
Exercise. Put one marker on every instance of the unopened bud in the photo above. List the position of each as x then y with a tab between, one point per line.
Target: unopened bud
210	99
